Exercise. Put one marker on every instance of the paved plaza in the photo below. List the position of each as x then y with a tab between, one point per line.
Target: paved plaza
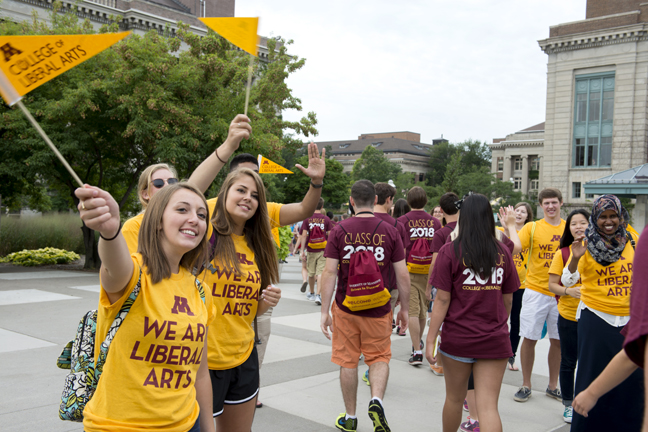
40	310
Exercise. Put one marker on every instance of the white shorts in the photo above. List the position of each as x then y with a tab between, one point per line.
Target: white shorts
536	309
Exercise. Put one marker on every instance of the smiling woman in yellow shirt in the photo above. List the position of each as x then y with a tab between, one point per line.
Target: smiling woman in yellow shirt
604	260
155	377
240	278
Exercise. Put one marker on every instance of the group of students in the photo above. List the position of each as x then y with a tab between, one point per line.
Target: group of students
186	352
185	358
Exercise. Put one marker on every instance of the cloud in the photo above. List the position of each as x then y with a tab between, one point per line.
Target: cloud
461	68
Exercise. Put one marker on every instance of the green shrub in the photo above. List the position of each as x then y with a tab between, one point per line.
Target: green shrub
61	231
45	256
285	237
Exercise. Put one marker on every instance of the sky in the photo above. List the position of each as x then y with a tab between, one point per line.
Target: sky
464	69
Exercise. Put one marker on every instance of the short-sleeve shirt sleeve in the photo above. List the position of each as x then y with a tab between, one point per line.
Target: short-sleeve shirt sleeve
332	245
557	264
442	271
525	235
511	282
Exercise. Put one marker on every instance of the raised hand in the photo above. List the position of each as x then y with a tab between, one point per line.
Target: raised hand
99	210
502	217
579	246
316	164
239	130
510	216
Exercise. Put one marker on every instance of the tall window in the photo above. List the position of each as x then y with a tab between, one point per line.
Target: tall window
500	164
534	164
518	164
517	183
593	120
535	185
576	189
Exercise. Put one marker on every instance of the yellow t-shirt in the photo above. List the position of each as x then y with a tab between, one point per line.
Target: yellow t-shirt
130	230
546	241
149	376
520	262
231	336
607	288
273	212
567	305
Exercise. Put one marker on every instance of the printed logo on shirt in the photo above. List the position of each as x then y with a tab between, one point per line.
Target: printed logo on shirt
242	292
474	282
181	305
365	242
547	253
164	354
243	259
556	238
620	282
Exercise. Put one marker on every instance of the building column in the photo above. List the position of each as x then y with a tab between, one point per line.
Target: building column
506	175
640	213
525	174
494	165
539	172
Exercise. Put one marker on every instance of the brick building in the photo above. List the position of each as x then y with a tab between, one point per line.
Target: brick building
403	148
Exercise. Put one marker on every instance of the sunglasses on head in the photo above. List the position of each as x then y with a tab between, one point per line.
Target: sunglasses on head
460	202
159	183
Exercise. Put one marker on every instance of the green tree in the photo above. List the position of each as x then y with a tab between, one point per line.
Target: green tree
336	184
374	166
453	173
142	102
475	155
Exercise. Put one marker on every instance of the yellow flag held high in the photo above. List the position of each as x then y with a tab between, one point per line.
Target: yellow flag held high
266	166
242	32
29	61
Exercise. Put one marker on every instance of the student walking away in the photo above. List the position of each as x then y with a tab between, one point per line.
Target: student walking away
400	208
464	289
603	258
542	239
569	297
315	231
364	247
240	277
634	351
170	315
523	215
384	202
421	228
449	212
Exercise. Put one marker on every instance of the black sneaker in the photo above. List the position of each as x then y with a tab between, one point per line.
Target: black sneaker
420	347
555	393
416	359
348	425
303	287
377	416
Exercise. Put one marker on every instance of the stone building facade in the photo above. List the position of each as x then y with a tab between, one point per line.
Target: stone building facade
518	158
403	148
597	96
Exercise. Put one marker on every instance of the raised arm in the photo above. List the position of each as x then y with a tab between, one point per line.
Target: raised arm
293	213
512	232
100	212
204	175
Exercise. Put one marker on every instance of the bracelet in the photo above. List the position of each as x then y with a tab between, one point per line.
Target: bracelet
317	186
222	161
565	290
113	237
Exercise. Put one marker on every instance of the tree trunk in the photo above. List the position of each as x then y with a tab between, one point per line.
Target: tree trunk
92	260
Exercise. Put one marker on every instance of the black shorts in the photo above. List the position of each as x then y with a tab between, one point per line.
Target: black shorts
236	385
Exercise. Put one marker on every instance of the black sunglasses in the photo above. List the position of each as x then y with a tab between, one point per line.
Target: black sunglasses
159	183
460	202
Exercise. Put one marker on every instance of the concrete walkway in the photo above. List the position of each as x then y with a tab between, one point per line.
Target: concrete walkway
40	310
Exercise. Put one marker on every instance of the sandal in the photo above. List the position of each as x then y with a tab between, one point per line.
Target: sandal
259	404
511	364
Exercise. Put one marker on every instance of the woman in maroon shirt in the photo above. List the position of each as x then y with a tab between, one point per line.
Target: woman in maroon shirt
475	277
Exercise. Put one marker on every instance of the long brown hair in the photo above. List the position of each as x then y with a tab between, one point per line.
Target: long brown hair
151	235
256	230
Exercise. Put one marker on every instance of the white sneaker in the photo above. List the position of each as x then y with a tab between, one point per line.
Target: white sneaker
318	300
567	415
310	296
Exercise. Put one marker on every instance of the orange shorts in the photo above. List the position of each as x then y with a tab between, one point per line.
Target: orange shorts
354	335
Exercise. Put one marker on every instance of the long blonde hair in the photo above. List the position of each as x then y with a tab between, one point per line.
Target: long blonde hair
145	180
256	230
151	235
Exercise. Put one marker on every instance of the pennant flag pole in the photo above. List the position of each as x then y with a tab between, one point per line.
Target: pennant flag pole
266	166
242	32
30	61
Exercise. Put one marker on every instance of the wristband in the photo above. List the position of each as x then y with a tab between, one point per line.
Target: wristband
317	186
113	237
222	161
565	290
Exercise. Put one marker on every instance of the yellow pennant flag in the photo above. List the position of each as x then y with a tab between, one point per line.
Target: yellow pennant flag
242	32
29	61
266	166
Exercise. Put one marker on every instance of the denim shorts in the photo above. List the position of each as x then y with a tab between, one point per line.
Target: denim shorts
459	359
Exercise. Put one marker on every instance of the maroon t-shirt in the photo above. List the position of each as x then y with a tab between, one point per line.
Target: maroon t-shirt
637	328
419	224
390	283
441	237
386	245
476	323
308	224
